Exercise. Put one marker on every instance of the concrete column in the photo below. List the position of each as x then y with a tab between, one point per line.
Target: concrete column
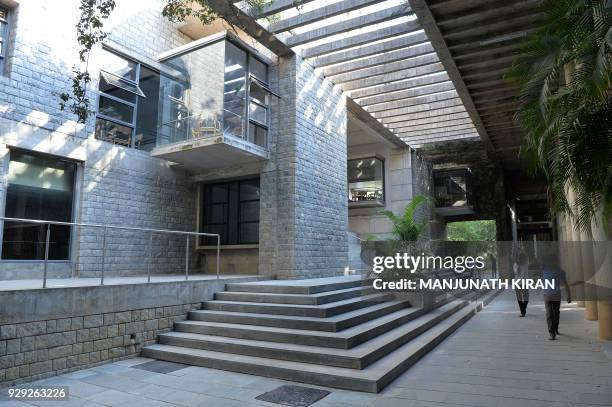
576	275
603	277
303	188
590	294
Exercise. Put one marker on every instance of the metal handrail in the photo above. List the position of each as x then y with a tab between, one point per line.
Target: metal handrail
105	227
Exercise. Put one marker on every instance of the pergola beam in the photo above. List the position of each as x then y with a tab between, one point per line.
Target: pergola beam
348	25
393	76
408	93
234	16
418	108
400	85
435	125
416	133
385	68
277	6
437	39
361	39
318	14
436	97
430	113
428	120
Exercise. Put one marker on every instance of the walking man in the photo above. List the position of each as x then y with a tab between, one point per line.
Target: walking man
552	296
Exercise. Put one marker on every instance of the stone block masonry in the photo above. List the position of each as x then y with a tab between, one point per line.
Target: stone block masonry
35	350
307	209
48	332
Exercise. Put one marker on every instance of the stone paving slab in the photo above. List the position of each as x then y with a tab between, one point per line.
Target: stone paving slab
495	360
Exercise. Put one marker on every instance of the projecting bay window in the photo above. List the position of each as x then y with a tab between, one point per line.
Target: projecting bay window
366	182
127	103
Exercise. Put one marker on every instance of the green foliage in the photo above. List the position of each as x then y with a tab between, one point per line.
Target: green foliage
89	33
405	227
564	75
178	10
471	231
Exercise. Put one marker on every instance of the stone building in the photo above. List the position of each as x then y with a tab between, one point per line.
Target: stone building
196	129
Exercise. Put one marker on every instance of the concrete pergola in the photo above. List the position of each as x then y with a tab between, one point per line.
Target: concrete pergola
378	52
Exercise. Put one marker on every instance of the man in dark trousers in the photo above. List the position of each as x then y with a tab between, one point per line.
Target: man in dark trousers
552	296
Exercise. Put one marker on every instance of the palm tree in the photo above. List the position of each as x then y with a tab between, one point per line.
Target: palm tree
564	75
406	227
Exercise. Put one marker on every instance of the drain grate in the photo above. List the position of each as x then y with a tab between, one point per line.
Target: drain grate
293	396
160	366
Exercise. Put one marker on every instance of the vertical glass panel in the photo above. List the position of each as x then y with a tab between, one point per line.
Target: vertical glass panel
234	90
366	179
259	70
249	190
113	132
39	187
147	112
258	113
258	135
119	66
115	110
248	233
118	92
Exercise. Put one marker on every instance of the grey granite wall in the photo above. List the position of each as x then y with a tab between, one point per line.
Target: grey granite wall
306	214
48	332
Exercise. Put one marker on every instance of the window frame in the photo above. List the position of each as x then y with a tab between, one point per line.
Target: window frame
4	40
76	191
373	202
237	203
133	105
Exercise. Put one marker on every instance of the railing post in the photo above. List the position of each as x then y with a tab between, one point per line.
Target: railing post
103	256
218	254
46	255
149	258
187	259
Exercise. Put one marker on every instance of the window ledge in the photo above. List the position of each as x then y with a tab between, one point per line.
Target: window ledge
230	246
366	204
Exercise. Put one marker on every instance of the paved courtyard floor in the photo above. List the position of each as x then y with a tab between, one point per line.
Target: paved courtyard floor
495	360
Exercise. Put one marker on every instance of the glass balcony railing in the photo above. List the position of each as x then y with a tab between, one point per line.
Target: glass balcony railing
207	123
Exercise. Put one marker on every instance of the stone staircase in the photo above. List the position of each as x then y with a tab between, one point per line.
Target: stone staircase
336	332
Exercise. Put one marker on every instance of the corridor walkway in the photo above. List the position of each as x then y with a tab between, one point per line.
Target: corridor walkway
495	360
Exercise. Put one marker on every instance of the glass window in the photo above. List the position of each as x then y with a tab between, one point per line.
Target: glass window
3	36
113	132
451	188
258	135
147	112
366	180
39	187
259	70
234	90
232	210
119	66
128	103
115	109
258	113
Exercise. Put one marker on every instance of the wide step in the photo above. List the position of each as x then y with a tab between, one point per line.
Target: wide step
305	287
335	332
371	379
320	311
300	299
331	324
357	358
